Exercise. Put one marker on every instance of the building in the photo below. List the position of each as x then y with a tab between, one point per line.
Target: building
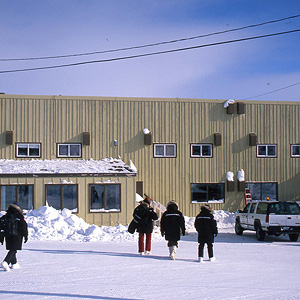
190	150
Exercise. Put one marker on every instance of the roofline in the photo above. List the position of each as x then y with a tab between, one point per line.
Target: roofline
139	99
15	175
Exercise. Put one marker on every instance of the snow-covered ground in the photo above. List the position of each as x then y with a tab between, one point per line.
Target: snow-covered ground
65	258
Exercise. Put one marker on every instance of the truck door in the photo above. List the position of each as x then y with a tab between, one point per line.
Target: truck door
250	220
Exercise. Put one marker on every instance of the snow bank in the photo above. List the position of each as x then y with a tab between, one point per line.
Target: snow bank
47	223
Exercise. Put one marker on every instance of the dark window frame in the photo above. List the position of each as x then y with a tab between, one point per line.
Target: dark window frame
17	193
28	147
294	156
68	156
201	155
61	194
105	210
164	156
263	182
266	156
207	186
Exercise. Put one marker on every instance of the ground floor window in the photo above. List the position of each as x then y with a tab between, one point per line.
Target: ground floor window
21	194
208	192
263	190
105	197
61	196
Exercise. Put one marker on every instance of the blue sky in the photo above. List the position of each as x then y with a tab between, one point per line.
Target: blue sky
244	70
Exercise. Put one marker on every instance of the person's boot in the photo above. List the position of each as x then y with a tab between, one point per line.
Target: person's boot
172	252
5	266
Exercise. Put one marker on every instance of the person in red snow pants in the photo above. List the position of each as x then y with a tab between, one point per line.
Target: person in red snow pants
145	215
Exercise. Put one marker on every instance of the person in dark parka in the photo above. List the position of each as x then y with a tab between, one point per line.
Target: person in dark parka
207	229
145	215
14	242
172	222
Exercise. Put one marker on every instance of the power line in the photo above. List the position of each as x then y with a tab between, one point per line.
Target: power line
149	54
277	90
150	45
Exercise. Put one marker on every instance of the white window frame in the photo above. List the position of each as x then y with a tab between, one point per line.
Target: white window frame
164	147
267	146
28	146
69	148
201	152
294	145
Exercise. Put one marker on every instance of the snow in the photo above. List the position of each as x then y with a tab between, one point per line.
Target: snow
241	175
66	258
229	176
146	131
229	101
63	166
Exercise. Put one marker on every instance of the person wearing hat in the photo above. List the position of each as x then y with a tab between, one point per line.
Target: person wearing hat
145	215
14	242
172	222
207	229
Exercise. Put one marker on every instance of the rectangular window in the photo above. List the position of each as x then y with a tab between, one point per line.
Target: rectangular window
21	194
266	150
61	196
105	197
208	192
28	150
263	190
68	150
295	150
201	150
164	150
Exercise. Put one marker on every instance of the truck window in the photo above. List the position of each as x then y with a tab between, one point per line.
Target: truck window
262	208
252	208
276	208
292	209
246	208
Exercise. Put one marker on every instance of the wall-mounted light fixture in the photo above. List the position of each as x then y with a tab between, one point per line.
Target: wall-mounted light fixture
115	143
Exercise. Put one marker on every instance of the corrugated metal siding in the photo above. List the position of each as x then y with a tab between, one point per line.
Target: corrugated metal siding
51	120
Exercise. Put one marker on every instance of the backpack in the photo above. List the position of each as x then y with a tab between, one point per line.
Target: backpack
9	225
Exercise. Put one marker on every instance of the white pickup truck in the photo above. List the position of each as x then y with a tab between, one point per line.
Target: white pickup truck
269	217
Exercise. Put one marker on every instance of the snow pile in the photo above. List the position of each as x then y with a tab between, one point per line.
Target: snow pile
229	176
241	175
47	223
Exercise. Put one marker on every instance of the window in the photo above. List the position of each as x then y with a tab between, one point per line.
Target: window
262	208
262	191
164	150
68	150
208	192
266	150
61	196
201	150
252	208
105	197
245	210
21	194
295	150
28	150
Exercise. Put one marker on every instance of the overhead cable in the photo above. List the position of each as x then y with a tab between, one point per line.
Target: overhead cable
149	54
150	45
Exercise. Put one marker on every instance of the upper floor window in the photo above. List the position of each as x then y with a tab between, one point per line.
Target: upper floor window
164	150
68	150
295	150
201	150
28	150
266	150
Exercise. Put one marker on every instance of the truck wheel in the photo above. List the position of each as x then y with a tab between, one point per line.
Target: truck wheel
260	234
238	228
294	237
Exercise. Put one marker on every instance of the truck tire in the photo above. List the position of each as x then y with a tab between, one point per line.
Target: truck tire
260	234
238	228
293	237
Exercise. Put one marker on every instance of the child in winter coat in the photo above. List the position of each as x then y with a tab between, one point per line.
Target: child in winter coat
14	242
144	215
172	221
206	227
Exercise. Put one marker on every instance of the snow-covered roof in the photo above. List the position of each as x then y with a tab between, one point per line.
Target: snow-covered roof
106	166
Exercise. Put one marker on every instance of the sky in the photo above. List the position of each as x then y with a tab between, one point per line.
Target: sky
259	69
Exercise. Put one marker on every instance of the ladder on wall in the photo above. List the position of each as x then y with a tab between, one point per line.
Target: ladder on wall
248	196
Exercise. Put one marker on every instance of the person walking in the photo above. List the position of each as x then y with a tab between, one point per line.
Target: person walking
13	228
144	216
172	222
207	229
